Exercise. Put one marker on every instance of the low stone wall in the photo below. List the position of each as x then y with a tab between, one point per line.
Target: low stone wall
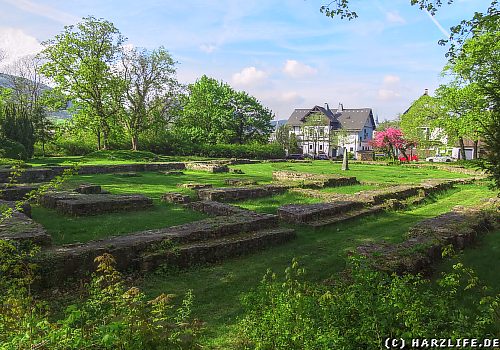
77	204
20	227
88	189
46	174
426	240
212	252
303	213
17	192
314	180
77	260
223	194
240	182
209	167
217	208
177	198
195	186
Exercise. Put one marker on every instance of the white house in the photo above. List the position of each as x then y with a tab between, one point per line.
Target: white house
329	131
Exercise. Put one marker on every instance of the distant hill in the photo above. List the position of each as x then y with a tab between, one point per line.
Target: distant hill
6	83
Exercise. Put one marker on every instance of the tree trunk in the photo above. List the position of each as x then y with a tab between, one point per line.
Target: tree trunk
134	142
462	148
476	149
98	140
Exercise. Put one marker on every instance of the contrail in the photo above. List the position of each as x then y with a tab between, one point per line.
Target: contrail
440	27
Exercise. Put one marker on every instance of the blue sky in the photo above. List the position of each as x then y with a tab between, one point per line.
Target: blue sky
286	53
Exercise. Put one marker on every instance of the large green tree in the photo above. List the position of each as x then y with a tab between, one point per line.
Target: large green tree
151	90
213	112
80	60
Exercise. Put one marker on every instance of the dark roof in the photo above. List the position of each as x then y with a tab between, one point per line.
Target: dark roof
278	123
355	119
349	119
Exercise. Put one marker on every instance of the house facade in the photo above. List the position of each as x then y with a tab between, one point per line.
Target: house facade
330	131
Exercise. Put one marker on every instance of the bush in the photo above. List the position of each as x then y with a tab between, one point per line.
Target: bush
12	149
68	146
363	307
111	317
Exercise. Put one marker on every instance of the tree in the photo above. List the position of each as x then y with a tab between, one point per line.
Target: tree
149	77
287	139
392	140
17	126
463	112
212	112
80	60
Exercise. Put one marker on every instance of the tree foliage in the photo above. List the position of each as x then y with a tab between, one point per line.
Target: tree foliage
80	60
151	89
212	112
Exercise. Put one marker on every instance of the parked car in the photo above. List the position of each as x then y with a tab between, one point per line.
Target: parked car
295	156
413	158
322	156
439	159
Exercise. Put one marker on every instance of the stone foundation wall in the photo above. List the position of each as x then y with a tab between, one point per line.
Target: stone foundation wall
76	204
20	227
314	180
15	193
217	208
209	167
426	240
303	213
77	260
223	194
46	174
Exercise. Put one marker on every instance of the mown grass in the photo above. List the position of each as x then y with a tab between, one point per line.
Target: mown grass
65	230
322	252
394	174
271	204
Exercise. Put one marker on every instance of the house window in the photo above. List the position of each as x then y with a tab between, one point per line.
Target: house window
320	147
351	149
310	146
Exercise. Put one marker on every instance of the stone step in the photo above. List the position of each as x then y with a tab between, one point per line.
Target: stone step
215	250
347	216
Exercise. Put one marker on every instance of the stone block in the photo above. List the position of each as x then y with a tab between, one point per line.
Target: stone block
223	194
88	189
16	192
217	208
303	213
195	186
240	182
176	198
209	167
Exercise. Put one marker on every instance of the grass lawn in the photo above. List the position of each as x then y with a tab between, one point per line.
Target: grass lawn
322	252
363	172
271	204
65	230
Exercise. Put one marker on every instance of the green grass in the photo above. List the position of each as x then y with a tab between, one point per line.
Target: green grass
394	174
351	189
271	204
65	230
217	288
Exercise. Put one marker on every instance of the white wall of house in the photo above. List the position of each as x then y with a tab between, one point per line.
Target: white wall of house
469	153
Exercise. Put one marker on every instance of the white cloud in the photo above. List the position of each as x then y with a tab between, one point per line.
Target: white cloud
296	69
291	97
208	48
387	94
249	76
44	11
394	17
391	79
16	44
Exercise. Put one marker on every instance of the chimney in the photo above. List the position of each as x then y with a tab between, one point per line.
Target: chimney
341	107
327	107
426	92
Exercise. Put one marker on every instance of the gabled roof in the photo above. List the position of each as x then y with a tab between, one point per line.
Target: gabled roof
349	119
355	119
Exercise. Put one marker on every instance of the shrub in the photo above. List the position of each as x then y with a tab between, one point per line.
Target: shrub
111	317
12	149
363	307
